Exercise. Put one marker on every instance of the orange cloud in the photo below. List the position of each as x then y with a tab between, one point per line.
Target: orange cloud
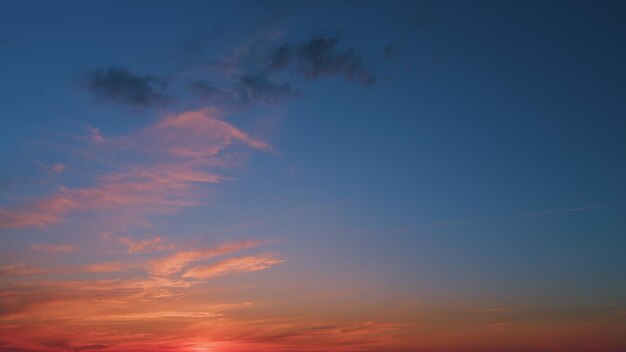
177	154
151	244
106	267
17	270
175	263
234	265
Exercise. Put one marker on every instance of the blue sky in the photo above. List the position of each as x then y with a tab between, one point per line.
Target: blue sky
448	157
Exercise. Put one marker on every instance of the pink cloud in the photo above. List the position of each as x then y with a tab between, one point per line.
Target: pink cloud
95	136
177	154
106	267
187	134
151	244
57	168
18	270
234	265
174	263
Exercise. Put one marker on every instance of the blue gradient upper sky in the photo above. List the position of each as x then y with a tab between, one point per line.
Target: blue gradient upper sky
483	169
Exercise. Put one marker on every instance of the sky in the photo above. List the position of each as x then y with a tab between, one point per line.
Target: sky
349	176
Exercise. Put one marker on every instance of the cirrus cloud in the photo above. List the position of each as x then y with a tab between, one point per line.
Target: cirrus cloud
234	265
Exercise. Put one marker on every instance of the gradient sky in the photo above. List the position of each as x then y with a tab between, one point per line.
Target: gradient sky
312	176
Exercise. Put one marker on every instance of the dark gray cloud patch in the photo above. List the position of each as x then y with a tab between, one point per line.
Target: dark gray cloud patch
119	85
253	88
322	56
281	57
387	51
248	89
208	91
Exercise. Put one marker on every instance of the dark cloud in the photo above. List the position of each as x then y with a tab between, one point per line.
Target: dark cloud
260	88
208	91
119	85
322	56
281	57
319	56
388	51
256	68
247	90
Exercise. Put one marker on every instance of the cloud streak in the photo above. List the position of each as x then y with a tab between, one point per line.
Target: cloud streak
234	265
179	153
176	262
148	245
261	88
19	270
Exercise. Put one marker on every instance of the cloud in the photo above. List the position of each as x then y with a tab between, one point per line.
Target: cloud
281	57
107	267
234	265
321	56
249	89
570	210
293	334
161	315
95	136
178	153
260	88
491	310
18	270
54	248
200	131
151	244
207	91
388	50
119	85
176	262
255	71
57	168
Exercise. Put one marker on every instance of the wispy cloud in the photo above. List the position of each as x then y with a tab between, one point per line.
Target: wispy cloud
490	310
151	244
176	262
257	71
261	88
570	210
209	91
316	57
106	267
322	56
179	153
234	265
18	270
57	168
540	213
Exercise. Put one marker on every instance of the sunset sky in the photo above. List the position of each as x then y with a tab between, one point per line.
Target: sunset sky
318	176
